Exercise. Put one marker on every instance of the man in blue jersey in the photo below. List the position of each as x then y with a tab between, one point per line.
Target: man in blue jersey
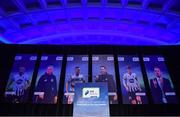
77	77
20	84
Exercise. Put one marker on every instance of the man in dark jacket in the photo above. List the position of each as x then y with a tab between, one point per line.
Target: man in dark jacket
47	87
104	76
159	87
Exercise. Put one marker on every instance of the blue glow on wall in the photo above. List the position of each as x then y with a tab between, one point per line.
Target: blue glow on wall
4	40
92	24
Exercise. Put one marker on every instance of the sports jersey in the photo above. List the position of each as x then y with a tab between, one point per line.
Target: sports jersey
75	79
130	81
20	83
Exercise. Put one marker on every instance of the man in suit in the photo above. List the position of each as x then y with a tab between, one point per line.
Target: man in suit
159	87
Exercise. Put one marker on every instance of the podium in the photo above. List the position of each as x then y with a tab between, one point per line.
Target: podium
91	100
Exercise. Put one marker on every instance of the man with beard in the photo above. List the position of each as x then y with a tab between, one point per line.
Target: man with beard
104	76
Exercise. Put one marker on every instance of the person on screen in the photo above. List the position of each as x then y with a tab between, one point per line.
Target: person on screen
132	86
159	86
77	77
20	85
47	86
104	76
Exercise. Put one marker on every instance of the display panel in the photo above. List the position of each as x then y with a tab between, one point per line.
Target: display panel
76	72
103	70
131	80
48	78
18	86
161	86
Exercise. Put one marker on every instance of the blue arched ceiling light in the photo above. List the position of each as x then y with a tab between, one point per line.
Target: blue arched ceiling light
112	22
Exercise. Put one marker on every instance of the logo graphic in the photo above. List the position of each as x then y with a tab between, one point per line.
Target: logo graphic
91	92
87	92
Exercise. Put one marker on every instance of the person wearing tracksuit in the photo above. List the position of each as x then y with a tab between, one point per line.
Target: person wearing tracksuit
47	87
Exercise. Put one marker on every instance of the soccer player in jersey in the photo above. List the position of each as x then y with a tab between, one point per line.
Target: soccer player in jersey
104	76
20	84
132	85
48	85
77	77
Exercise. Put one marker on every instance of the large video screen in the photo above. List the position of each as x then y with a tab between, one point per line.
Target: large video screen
103	70
48	78
18	86
76	72
161	86
131	80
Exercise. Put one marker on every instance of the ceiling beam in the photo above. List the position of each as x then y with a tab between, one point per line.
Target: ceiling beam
84	3
168	5
20	5
145	4
64	3
104	2
13	24
84	9
43	4
124	3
